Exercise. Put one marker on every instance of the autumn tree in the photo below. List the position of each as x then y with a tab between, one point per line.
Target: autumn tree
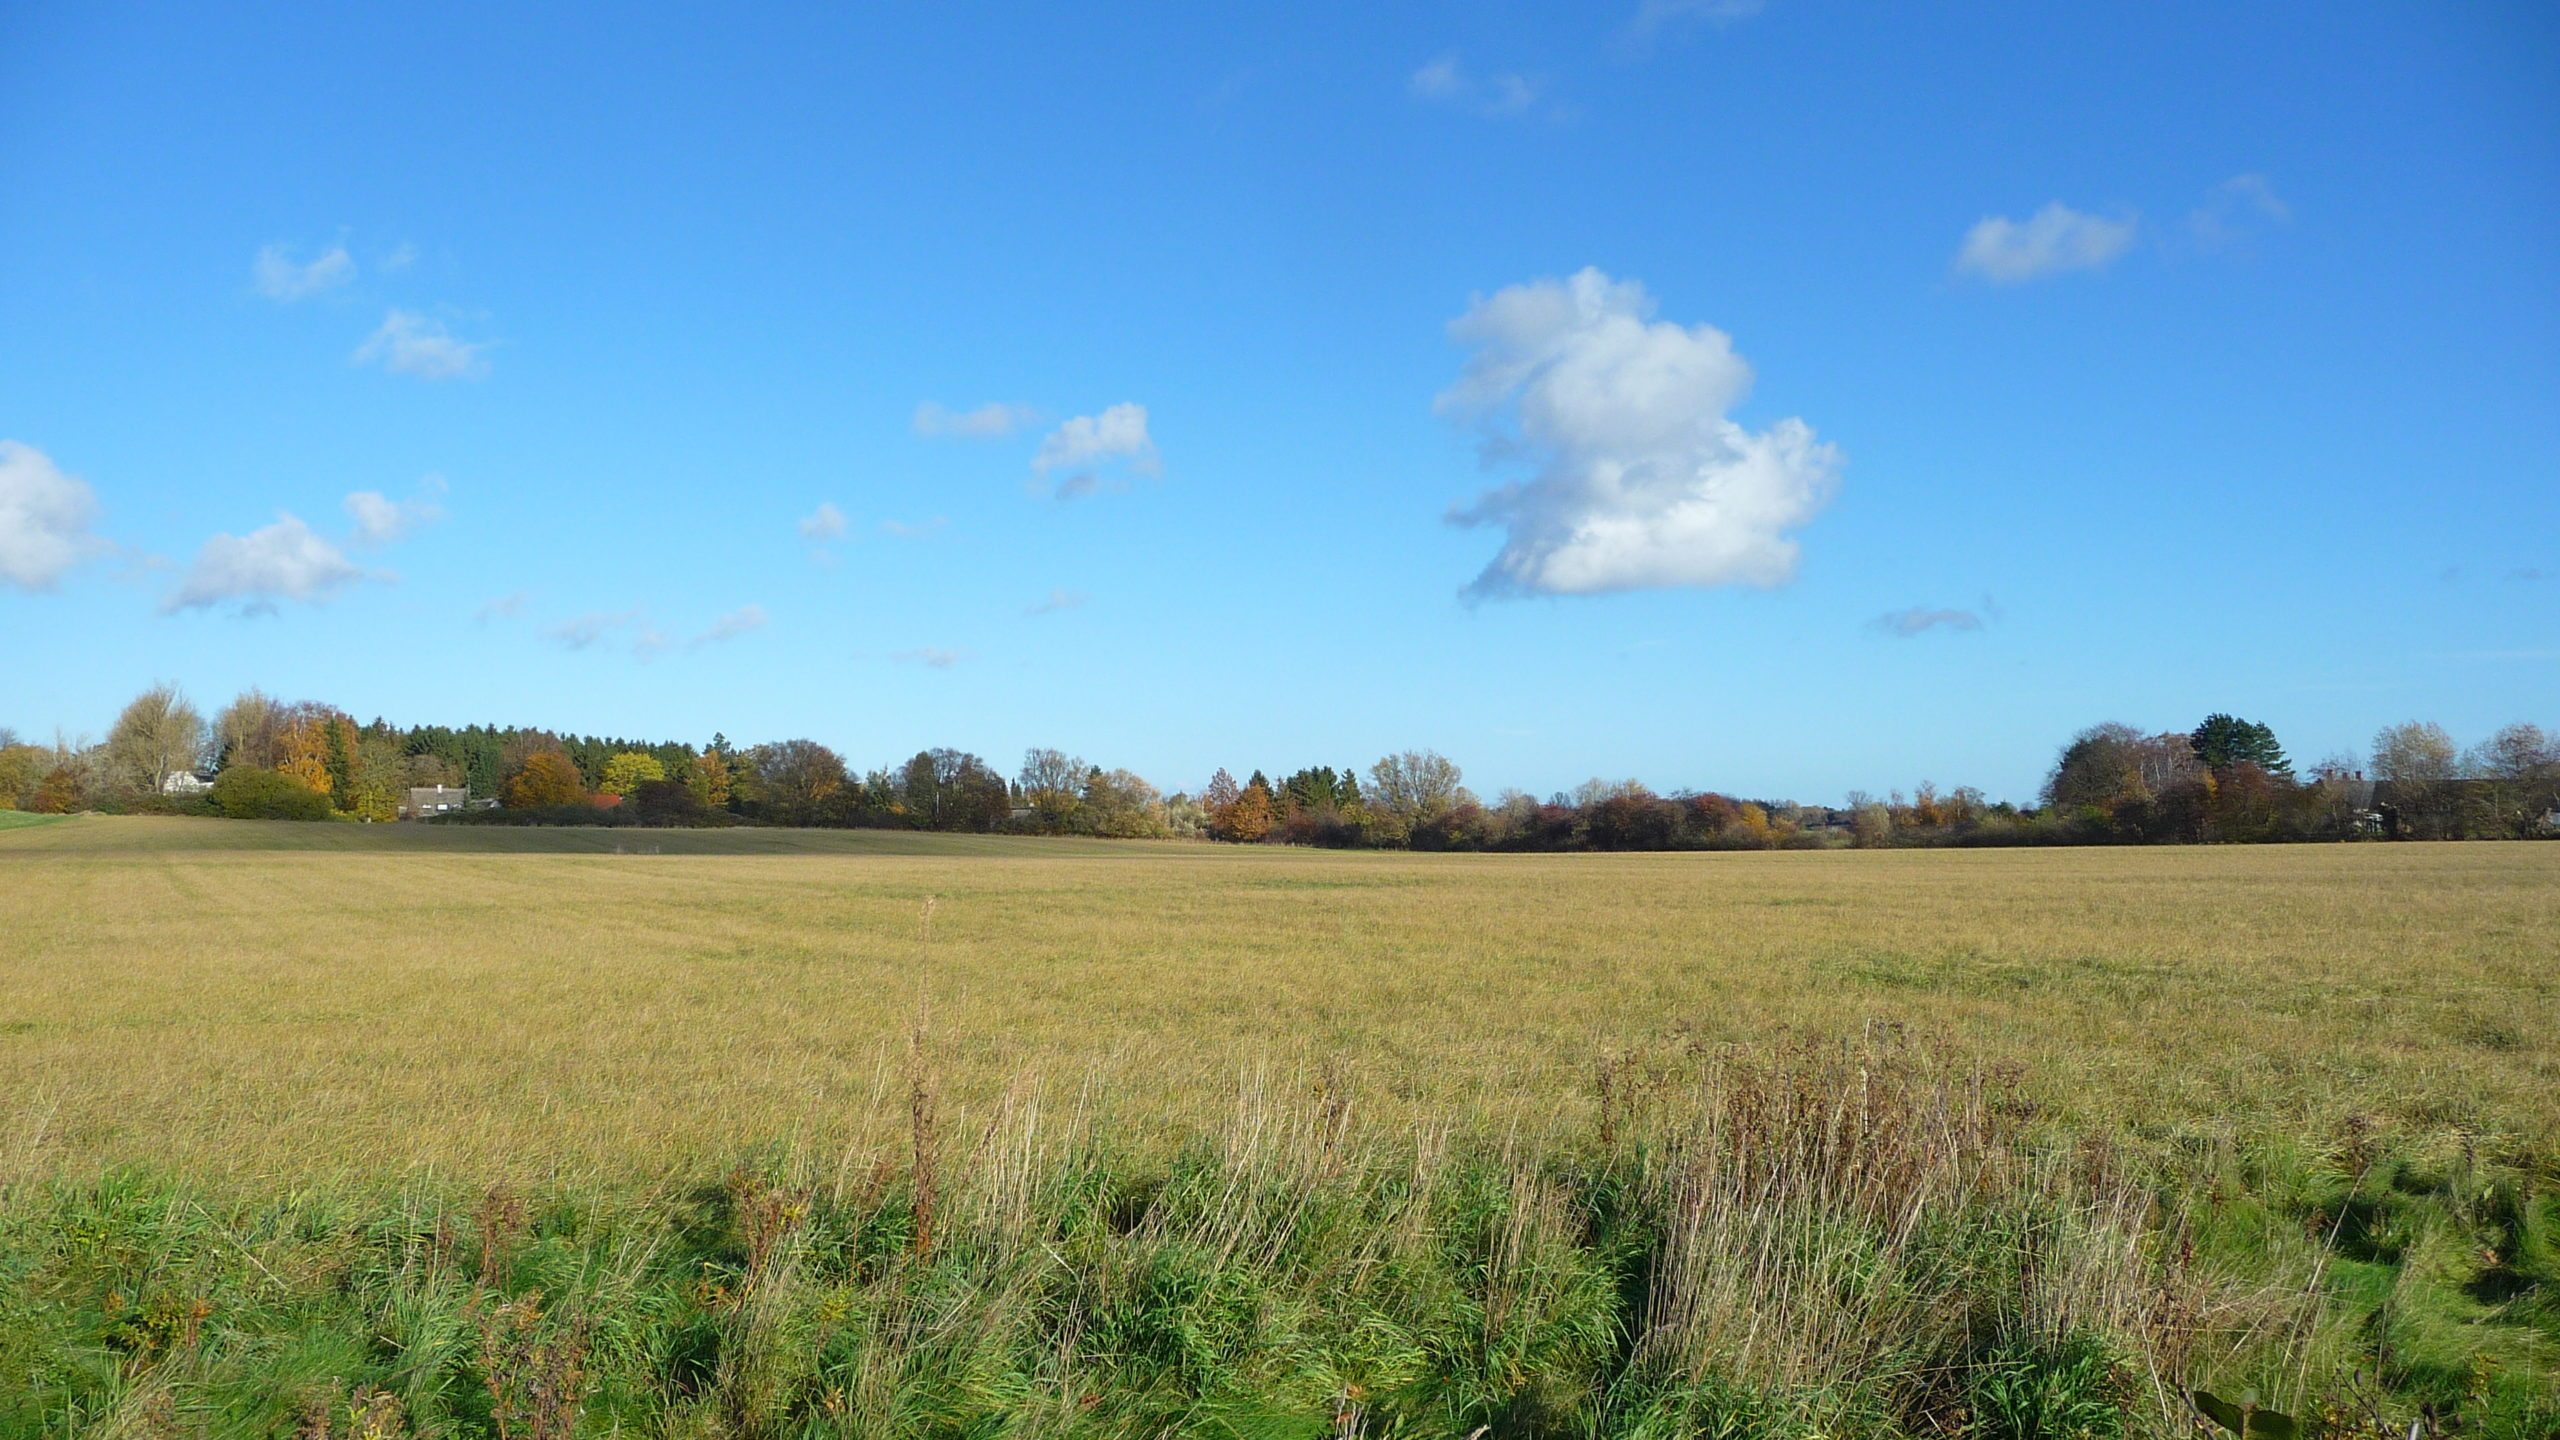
158	735
1121	805
22	769
628	771
1253	814
2100	769
1218	800
795	779
708	778
56	793
302	750
545	777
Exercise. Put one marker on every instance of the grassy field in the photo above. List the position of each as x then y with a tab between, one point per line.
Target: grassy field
2285	1051
281	1000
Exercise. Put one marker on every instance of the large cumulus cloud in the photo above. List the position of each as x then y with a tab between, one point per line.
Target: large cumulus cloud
1641	481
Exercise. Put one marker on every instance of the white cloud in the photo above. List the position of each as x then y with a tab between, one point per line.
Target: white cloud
278	277
287	560
918	531
732	625
1653	16
824	523
380	520
44	519
586	630
992	419
648	642
1439	80
1058	600
2237	206
400	259
933	657
1117	434
412	344
505	607
1642	481
1903	624
1446	82
2055	239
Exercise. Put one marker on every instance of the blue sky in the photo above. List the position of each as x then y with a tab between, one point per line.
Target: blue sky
1884	392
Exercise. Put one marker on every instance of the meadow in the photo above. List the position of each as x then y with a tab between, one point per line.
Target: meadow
884	1133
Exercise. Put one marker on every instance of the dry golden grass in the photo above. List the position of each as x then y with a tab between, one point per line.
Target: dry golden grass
265	1001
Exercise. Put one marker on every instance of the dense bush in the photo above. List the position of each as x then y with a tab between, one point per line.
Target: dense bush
247	792
667	803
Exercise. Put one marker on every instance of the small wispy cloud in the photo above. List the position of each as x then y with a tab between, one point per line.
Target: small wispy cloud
1447	81
399	259
2237	208
586	631
2054	240
280	277
1919	620
932	657
730	626
916	531
287	560
1058	600
648	642
989	421
505	607
2529	573
408	343
380	520
1080	485
1656	16
824	523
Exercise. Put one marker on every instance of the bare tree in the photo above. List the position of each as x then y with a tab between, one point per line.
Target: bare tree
250	731
2525	753
2413	770
2418	753
158	735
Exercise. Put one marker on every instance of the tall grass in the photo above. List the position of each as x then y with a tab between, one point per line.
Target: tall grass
1872	1239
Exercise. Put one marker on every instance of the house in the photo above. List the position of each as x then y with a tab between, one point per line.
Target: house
187	782
429	800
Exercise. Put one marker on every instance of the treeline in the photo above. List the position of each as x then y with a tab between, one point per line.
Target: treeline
2228	780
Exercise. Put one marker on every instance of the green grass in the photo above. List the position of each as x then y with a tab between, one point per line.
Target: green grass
23	820
1267	1142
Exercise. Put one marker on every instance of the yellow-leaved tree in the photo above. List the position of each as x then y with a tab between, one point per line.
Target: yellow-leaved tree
305	754
629	771
708	777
